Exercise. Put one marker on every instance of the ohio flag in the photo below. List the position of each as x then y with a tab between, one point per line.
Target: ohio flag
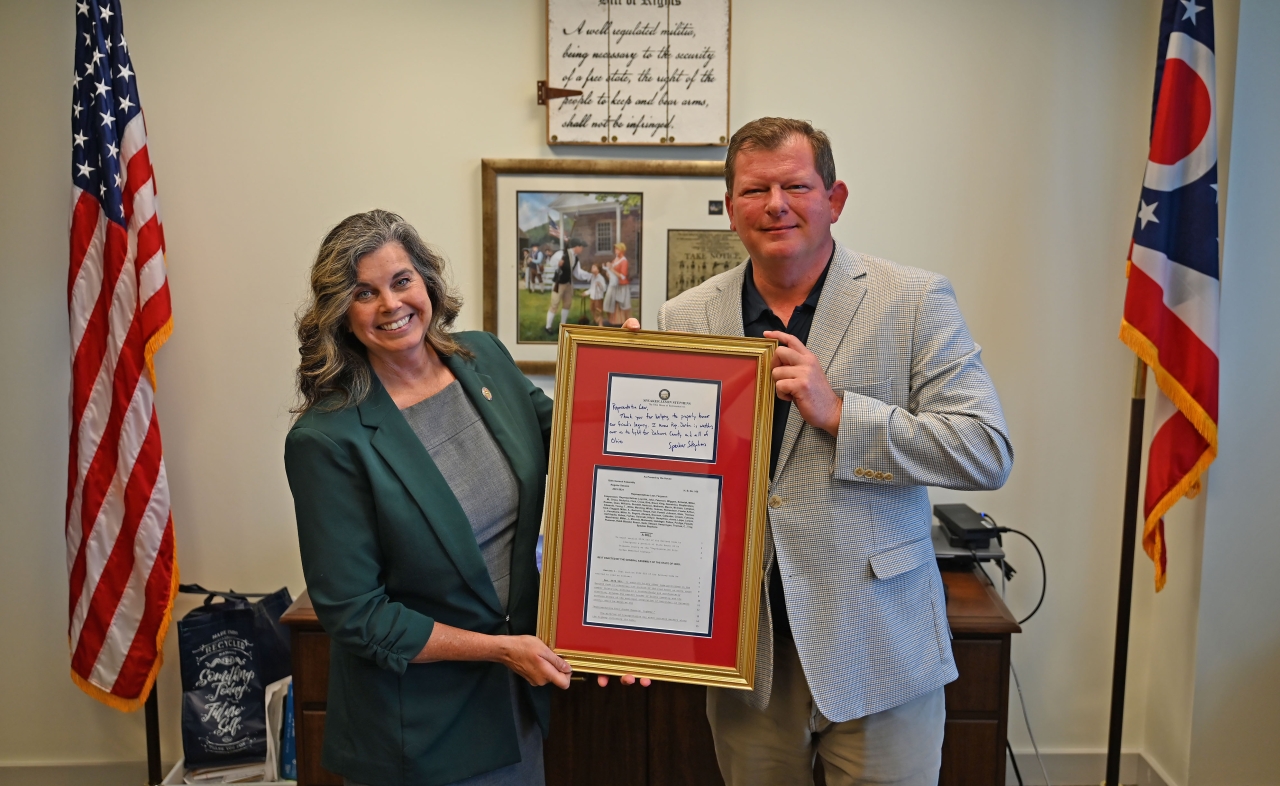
1171	306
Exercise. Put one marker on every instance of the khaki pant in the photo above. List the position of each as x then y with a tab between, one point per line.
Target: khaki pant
900	746
562	298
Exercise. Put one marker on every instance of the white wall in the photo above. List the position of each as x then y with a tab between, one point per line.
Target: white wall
1237	677
1001	143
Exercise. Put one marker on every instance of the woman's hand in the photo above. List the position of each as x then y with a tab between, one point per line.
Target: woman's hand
534	660
633	325
525	655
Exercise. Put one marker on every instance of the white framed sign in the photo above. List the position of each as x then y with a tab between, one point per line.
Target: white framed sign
651	72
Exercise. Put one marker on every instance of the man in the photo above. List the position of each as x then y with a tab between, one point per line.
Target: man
562	285
533	270
880	393
548	270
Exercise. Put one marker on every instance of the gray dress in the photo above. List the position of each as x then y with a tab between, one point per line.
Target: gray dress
477	472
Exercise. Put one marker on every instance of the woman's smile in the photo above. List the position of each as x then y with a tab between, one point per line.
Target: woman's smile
396	325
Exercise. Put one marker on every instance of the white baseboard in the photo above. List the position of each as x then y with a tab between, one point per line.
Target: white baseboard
1083	769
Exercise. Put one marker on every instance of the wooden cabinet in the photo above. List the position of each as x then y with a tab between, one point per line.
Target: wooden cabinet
630	736
645	737
978	701
310	646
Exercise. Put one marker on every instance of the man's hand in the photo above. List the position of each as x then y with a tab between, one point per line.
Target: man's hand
799	379
533	660
626	679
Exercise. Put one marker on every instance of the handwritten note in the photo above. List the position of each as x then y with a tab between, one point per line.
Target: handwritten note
662	417
695	255
651	72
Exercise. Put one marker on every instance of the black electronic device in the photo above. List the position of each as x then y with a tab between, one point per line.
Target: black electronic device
964	526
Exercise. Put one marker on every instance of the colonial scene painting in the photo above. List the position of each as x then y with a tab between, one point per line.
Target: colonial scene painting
578	261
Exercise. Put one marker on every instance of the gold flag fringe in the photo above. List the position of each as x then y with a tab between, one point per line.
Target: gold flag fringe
153	346
1189	485
132	704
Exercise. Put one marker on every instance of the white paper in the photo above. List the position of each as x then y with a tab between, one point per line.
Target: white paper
662	417
276	693
653	550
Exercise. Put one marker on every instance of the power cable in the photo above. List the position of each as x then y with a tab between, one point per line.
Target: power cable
1005	572
1026	719
1044	573
1014	761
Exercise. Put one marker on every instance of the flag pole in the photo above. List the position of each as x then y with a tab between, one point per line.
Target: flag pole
1129	536
152	710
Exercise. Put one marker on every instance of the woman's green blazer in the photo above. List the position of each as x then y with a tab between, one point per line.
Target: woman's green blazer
387	551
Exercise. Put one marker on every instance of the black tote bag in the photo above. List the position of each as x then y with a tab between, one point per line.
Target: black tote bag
230	651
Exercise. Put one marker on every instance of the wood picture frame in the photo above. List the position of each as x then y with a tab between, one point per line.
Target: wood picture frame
675	194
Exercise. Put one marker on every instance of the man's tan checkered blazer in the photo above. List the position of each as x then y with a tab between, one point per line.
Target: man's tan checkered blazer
849	515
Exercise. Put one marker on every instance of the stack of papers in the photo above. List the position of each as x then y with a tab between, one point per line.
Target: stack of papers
235	773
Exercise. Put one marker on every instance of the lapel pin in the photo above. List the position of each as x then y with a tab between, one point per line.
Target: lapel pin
486	393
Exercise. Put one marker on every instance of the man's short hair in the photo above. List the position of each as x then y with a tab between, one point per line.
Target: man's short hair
771	133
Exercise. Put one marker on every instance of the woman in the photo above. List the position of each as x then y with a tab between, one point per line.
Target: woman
622	293
417	467
610	292
595	293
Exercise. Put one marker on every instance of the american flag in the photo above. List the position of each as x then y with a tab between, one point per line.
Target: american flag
120	549
1171	306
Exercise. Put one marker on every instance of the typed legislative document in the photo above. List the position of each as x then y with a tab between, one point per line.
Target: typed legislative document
662	417
652	556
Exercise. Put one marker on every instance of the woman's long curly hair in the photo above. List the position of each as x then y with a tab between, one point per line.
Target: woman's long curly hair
334	371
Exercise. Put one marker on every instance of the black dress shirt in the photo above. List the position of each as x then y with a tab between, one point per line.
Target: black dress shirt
757	317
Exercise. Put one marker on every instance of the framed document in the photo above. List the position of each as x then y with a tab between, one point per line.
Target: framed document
618	211
695	255
653	72
655	515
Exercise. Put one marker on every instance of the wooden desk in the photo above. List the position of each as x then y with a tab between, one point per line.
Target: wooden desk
310	647
659	735
977	702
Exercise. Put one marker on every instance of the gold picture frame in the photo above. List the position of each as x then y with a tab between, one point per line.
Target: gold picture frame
700	182
748	481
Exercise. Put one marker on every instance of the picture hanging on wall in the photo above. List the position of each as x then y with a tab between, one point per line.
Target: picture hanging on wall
580	261
617	212
650	72
695	255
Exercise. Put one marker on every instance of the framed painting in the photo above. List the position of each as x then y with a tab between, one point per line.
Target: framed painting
584	242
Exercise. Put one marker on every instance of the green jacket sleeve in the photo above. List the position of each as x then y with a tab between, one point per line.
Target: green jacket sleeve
340	554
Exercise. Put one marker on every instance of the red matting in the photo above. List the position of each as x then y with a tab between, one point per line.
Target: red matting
733	463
